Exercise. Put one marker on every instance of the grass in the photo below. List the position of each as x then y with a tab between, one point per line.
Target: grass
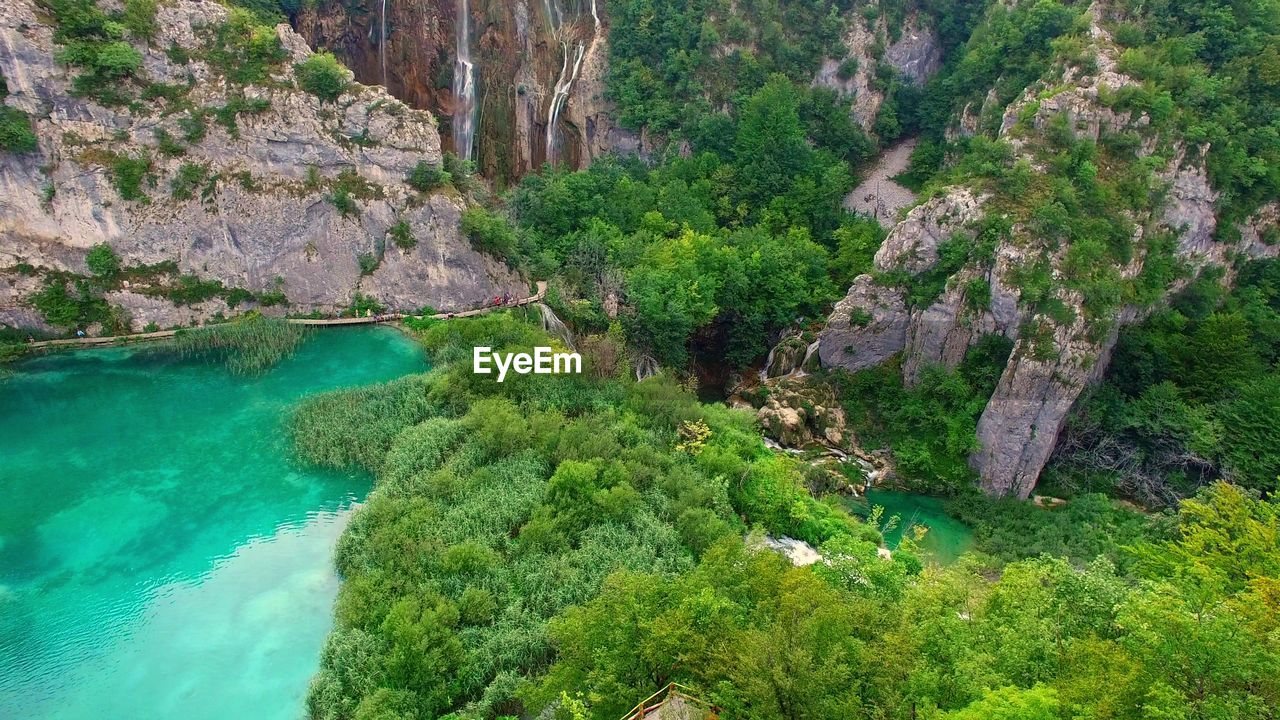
355	428
248	346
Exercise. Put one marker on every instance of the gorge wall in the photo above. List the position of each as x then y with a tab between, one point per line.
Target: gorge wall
540	69
1019	281
276	195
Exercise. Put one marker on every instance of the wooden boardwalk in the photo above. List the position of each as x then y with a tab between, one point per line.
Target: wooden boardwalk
385	317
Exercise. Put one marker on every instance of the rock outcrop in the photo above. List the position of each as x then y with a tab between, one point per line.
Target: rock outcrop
1055	354
252	200
915	56
874	322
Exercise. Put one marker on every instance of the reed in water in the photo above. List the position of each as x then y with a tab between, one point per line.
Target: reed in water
248	345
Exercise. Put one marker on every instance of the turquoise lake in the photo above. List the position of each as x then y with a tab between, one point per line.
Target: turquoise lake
161	555
945	539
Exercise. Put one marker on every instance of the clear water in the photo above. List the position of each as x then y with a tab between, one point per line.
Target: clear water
946	538
160	554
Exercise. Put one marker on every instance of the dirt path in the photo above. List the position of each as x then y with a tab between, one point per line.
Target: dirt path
386	317
878	195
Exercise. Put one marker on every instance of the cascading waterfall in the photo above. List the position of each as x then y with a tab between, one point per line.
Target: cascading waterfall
768	363
555	327
560	95
808	353
646	367
464	87
382	43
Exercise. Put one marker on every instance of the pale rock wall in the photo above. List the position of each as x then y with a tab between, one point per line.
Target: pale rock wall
281	230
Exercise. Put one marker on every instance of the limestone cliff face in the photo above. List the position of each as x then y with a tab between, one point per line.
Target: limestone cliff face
258	216
522	51
1054	358
915	56
874	321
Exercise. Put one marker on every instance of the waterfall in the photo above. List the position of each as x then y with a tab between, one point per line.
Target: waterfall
382	44
646	367
464	87
808	353
561	94
768	363
595	17
555	327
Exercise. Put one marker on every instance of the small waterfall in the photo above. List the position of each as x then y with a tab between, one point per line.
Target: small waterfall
382	43
555	327
464	87
646	367
595	17
808	353
561	95
768	363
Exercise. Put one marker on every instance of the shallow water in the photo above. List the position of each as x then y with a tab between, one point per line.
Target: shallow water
160	554
946	538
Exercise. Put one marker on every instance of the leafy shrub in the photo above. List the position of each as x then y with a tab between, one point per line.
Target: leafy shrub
139	17
322	75
16	133
103	261
243	49
488	232
426	177
341	199
69	309
190	176
128	174
402	235
368	263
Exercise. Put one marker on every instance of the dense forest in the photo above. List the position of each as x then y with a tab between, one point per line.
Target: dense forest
564	547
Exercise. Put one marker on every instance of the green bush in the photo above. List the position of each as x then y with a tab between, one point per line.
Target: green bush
402	235
489	232
426	177
322	75
244	49
103	261
341	199
190	177
128	174
139	17
368	263
16	133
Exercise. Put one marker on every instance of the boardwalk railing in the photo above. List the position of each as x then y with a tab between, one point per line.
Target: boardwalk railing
652	705
161	334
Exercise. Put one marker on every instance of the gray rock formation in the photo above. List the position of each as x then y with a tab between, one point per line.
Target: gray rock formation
261	218
872	323
1052	364
915	56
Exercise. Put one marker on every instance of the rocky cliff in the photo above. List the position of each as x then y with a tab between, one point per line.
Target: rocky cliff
199	180
962	265
524	50
539	71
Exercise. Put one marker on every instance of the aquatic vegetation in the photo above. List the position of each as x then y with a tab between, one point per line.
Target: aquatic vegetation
248	345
